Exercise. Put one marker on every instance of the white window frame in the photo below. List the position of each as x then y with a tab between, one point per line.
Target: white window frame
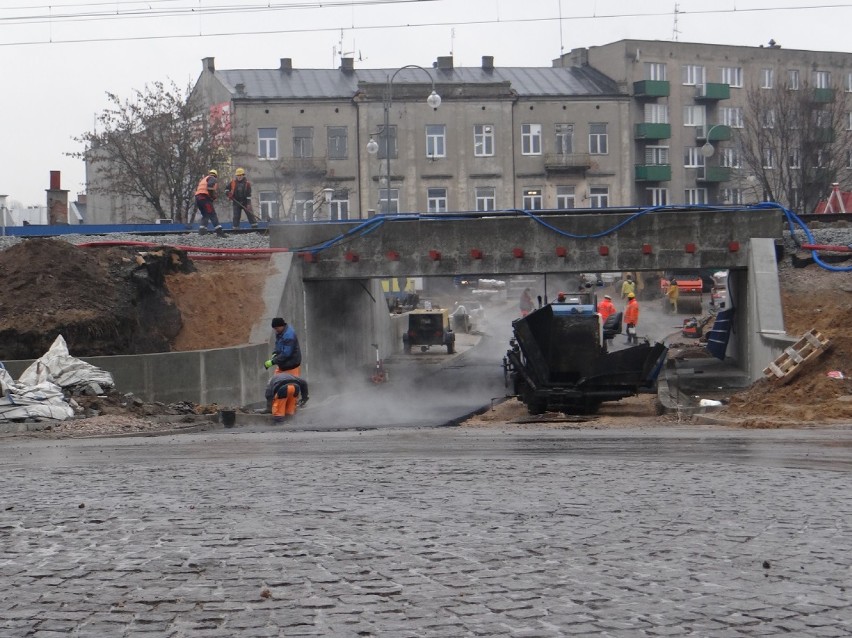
303	206
695	196
530	139
267	146
767	158
694	115
339	205
732	196
436	140
656	113
732	76
794	81
847	83
767	119
730	157
303	142
693	157
338	145
732	116
269	205
822	79
795	159
849	120
767	78
566	197
693	75
436	199
483	140
533	198
486	198
656	71
564	133
383	201
658	196
657	156
849	158
599	197
598	140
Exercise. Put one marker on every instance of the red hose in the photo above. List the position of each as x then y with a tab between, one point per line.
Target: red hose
836	249
226	257
189	249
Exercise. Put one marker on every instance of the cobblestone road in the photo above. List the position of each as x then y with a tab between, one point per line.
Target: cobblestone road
425	533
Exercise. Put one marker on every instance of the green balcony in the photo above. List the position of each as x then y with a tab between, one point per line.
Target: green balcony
712	91
649	131
713	133
653	172
824	96
714	174
824	135
651	88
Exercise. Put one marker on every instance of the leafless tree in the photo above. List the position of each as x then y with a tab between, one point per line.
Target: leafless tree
154	147
795	143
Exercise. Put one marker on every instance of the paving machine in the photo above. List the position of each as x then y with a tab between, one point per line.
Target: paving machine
690	292
559	361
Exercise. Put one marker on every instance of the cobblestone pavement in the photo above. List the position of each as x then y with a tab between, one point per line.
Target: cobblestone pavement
429	533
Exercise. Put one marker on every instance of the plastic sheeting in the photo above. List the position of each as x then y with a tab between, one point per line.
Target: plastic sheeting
38	392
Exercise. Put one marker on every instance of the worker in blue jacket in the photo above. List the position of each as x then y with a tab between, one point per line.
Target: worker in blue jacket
287	354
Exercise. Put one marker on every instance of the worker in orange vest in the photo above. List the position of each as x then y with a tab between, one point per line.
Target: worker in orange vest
606	308
205	194
631	318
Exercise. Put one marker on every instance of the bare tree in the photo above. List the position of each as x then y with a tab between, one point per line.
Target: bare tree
794	142
154	147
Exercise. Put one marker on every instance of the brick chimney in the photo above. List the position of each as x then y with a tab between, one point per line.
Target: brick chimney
57	201
208	64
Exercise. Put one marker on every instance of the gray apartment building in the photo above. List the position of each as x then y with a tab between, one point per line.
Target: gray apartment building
622	124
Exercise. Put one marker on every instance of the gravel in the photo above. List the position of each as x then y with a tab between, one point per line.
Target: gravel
231	240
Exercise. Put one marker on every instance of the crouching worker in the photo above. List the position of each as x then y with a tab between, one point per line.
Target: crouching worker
283	392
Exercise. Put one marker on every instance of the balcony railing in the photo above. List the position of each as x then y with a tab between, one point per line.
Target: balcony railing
567	162
824	96
653	172
714	174
651	89
717	133
713	91
652	131
303	166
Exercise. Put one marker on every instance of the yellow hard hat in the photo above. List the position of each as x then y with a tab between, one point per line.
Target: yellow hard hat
241	171
214	172
630	295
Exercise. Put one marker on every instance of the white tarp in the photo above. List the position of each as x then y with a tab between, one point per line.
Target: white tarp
38	391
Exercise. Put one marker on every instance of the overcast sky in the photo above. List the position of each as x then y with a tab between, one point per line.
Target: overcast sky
59	60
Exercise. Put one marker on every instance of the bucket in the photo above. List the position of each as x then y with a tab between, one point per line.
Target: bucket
228	417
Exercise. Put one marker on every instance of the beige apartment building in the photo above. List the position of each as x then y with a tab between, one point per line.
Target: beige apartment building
623	124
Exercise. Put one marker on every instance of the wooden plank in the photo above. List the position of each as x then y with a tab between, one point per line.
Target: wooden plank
790	362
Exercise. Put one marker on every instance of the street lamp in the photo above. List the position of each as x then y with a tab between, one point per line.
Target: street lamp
434	101
708	149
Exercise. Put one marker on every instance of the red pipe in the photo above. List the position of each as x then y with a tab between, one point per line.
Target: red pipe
189	249
836	249
225	257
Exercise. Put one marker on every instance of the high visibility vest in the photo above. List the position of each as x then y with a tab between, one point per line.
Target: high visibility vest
206	188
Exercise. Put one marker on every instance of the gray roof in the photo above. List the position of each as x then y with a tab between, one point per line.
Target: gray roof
334	83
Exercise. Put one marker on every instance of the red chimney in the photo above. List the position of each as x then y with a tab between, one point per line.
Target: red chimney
54	180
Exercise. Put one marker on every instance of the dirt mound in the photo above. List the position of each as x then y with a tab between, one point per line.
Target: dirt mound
103	301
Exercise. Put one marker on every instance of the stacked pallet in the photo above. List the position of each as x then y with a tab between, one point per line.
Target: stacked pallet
811	345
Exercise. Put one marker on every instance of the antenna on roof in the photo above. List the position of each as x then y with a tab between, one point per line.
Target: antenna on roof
452	39
675	30
339	52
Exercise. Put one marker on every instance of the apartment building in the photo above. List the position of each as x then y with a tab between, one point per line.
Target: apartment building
501	138
684	95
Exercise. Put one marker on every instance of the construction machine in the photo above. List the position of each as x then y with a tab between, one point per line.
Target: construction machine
690	292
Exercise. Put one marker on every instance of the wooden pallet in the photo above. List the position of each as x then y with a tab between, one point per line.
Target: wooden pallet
811	345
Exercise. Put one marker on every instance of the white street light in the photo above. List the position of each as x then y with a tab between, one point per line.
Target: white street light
434	101
708	149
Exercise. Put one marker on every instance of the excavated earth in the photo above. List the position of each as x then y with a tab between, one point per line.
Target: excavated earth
117	300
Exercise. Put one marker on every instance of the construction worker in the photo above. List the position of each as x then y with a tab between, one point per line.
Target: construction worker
561	297
606	308
628	286
282	393
673	293
631	318
239	192
526	303
206	193
287	354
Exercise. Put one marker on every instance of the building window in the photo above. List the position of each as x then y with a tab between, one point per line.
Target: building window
694	115
793	80
693	157
436	140
565	197
655	71
849	158
599	197
731	116
268	205
340	205
483	140
732	196
847	83
733	76
768	158
767	78
485	198
767	119
823	158
658	196
387	142
564	139
693	75
730	157
530	139
695	196
656	113
598	139
849	120
267	143
337	142
386	207
822	80
822	119
303	141
436	200
795	158
533	199
657	156
303	206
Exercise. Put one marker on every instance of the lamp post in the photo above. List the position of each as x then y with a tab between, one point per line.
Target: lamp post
708	149
434	101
